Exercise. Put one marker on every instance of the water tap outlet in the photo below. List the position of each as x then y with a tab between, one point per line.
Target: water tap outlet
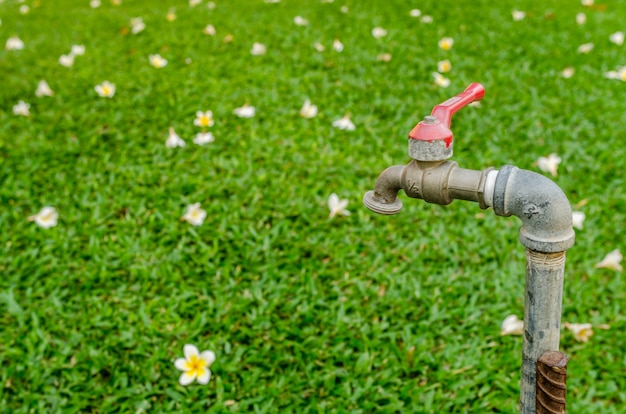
432	139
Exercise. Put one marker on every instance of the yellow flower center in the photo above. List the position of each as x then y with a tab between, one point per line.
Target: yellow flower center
205	121
106	91
196	366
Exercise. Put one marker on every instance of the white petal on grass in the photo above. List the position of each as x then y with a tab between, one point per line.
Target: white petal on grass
194	3
582	331
337	206
568	72
344	123
245	111
300	21
578	218
78	50
43	89
258	49
617	38
195	216
512	325
446	43
308	110
415	13
444	66
46	218
384	57
195	365
426	19
137	25
337	45
21	109
319	47
204	119
344	9
209	30
581	18
549	164
612	260
94	4
14	43
173	140
105	90
441	80
203	138
66	60
586	3
518	15
378	32
157	61
585	48
210	5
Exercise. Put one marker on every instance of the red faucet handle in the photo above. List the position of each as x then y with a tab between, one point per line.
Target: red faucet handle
444	111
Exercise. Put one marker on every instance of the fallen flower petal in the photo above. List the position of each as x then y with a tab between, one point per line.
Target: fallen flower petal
157	61
337	206
612	261
578	218
14	43
46	218
308	110
511	325
344	123
195	365
258	49
43	89
106	89
549	164
173	140
446	43
582	331
194	215
21	108
204	119
203	138
245	111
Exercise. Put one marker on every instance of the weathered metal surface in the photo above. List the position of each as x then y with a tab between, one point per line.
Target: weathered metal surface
551	382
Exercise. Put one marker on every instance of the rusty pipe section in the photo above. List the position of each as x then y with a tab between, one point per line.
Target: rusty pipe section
551	383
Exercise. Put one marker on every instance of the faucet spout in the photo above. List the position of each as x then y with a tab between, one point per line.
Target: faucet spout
384	199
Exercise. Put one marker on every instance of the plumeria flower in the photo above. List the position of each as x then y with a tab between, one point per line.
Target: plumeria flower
446	43
379	32
582	331
384	57
137	25
344	123
617	38
116	2
157	61
194	3
612	261
337	206
511	325
94	4
319	47
308	110
78	50
581	18
518	15
203	138
578	218
258	49
105	90
441	80
585	48
426	19
415	13
195	365
210	5
344	9
444	66
209	30
272	1
24	9
46	218
245	111
21	108
171	15
43	89
549	164
568	72
194	215
173	140
619	74
586	3
14	43
337	45
300	21
66	60
204	119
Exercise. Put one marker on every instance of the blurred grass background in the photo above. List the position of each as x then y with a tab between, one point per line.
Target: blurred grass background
356	314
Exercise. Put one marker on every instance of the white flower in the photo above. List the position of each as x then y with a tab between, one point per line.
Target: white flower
586	2
203	138
209	30
344	9
581	18
245	111
441	80
384	57
46	218
300	21
415	13
78	50
14	43
194	215
21	108
194	3
617	38
195	365
204	119
157	61
210	5
173	140
105	90
308	110
446	43
344	123
619	74
272	1
511	325
568	72
258	49
582	331
585	48
612	261
66	60
578	218
518	15
379	32
337	206
319	47
137	25
337	45
43	89
94	4
549	164
426	19
444	66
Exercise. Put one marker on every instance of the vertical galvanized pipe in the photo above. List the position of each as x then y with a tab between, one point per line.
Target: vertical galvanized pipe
542	317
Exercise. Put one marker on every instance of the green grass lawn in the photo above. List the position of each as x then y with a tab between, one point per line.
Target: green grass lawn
306	314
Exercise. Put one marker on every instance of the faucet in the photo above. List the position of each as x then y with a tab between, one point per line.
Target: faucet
546	232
